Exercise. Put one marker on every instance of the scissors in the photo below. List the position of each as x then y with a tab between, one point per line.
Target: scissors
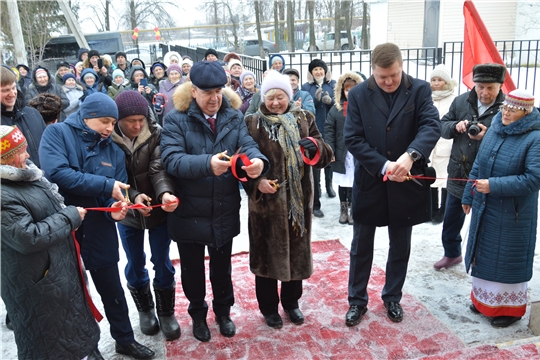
127	198
410	177
222	155
276	185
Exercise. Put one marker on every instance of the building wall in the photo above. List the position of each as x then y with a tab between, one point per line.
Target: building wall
405	23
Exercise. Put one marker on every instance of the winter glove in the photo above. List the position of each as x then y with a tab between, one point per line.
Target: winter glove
308	145
326	98
318	94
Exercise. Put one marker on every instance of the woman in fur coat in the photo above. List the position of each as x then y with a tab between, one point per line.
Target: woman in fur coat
280	212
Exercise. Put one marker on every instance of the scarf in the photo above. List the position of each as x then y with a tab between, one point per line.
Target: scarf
441	94
31	173
284	129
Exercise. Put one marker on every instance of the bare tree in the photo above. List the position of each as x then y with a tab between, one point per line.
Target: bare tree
290	25
346	11
38	20
98	14
311	8
365	32
258	25
276	26
148	13
529	10
337	25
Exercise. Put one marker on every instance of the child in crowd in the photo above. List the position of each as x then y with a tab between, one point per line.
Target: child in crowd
343	162
118	84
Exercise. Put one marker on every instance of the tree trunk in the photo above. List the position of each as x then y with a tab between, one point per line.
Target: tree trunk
365	33
346	10
337	25
276	26
216	21
107	23
290	24
312	45
259	36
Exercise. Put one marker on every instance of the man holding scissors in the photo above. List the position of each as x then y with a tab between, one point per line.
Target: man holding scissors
197	136
390	129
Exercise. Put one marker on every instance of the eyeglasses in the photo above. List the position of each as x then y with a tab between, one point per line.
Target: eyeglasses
509	109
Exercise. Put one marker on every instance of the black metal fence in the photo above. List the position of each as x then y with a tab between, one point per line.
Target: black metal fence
522	58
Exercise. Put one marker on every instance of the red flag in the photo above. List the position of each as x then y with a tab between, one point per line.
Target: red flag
479	48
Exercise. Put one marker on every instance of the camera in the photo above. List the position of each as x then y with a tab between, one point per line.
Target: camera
472	127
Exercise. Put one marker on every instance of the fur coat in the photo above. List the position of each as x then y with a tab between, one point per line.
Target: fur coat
275	249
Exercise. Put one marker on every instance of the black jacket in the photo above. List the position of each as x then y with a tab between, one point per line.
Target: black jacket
29	121
41	284
464	149
145	174
35	89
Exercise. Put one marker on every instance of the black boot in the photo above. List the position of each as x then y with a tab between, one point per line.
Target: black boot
145	305
439	216
343	213
328	181
165	299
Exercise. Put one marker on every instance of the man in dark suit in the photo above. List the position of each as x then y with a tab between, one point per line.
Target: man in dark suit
390	129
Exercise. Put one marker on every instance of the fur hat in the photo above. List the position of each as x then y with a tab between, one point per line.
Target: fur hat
12	140
247	73
210	51
93	53
275	80
235	62
317	63
227	58
131	102
174	67
68	76
208	75
48	105
489	73
520	99
118	72
98	105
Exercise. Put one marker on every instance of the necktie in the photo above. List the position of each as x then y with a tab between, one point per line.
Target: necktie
212	123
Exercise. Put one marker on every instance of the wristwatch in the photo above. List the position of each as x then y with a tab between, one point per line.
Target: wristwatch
415	155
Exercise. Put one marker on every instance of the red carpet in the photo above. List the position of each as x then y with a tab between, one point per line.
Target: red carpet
324	334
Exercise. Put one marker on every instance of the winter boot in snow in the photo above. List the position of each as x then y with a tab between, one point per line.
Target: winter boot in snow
343	217
165	299
145	305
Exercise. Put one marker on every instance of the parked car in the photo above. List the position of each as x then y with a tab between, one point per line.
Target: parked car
251	47
327	42
143	54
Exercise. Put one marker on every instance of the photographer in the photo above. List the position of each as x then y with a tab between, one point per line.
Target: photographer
466	123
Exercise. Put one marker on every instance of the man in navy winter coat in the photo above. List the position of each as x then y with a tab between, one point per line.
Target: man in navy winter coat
390	129
90	171
203	125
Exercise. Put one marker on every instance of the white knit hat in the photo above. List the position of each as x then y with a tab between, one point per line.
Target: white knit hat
276	80
442	72
235	62
520	99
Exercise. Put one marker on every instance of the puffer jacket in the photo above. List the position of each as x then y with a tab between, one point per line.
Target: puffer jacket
464	149
146	174
35	89
209	205
321	109
96	87
74	95
41	285
502	235
85	166
335	122
29	121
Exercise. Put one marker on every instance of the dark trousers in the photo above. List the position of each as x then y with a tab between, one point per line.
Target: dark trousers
133	244
107	282
317	185
454	217
362	259
268	296
194	281
345	194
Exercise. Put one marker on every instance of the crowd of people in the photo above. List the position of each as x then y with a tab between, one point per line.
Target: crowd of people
101	150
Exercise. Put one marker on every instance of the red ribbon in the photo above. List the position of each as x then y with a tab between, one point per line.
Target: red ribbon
385	178
246	162
133	206
317	154
93	308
